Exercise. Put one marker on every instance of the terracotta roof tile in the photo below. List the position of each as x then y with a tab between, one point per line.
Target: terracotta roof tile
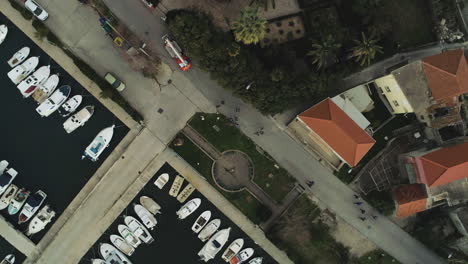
410	199
338	130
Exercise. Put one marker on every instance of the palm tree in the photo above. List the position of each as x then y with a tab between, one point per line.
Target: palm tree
263	3
250	27
324	52
366	49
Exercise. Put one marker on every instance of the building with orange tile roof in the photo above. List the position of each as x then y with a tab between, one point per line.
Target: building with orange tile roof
410	199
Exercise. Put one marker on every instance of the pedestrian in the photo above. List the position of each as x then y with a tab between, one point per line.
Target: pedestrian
374	217
356	196
362	218
256	133
358	203
363	211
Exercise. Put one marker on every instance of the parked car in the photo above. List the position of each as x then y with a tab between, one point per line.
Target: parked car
116	83
36	9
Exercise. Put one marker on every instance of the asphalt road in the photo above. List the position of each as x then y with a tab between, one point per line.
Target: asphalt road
194	91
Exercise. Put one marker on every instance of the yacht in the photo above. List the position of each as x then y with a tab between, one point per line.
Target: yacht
242	256
176	185
32	205
138	229
188	208
79	119
150	205
232	249
112	255
19	57
53	103
3	33
122	245
30	84
201	221
128	236
40	221
6	177
214	245
18	73
146	217
18	200
7	196
185	193
97	261
70	105
257	260
44	90
161	180
99	144
209	229
8	259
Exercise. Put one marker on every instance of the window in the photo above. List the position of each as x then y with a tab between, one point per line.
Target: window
387	89
395	102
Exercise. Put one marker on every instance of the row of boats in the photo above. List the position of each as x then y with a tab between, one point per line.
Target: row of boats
132	234
20	200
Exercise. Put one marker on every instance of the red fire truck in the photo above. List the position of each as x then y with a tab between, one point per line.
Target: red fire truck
176	53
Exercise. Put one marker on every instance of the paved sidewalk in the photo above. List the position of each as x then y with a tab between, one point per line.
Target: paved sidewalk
16	238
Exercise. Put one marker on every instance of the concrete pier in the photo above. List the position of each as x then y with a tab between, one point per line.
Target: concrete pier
16	238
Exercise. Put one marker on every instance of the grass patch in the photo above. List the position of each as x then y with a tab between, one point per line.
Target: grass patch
243	200
275	182
376	257
305	241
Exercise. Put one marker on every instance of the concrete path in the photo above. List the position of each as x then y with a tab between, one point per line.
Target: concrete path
16	238
201	142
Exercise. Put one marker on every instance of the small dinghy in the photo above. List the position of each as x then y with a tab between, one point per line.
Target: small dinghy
30	84
7	196
18	201
53	103
146	217
242	256
9	259
131	239
209	229
19	57
44	90
150	205
40	221
32	205
112	255
6	178
214	245
78	119
257	260
22	71
138	229
232	249
3	33
201	221
97	261
122	245
161	180
185	193
99	144
188	208
70	106
176	185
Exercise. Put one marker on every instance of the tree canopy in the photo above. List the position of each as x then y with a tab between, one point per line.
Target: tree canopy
249	27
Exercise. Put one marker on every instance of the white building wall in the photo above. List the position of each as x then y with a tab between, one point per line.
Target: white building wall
389	87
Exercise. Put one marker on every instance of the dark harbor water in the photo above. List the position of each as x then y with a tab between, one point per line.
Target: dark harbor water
6	248
175	243
46	157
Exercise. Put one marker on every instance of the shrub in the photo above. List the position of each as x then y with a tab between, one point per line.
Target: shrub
25	13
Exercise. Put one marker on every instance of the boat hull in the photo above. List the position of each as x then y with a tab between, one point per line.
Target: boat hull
19	57
7	196
99	144
18	201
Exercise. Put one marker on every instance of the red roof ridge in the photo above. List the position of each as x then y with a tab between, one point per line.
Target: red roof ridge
442	70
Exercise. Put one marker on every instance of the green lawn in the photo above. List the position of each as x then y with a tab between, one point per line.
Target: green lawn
244	201
276	182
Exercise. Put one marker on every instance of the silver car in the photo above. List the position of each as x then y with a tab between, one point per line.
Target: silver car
36	9
116	83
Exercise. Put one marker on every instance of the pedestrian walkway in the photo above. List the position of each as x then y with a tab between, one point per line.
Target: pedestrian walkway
16	238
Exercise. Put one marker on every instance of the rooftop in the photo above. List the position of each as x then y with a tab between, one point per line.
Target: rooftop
411	199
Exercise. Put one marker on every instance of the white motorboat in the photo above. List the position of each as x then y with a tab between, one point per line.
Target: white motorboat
40	221
70	105
146	217
3	33
122	245
18	200
150	205
242	256
78	119
44	90
30	84
161	180
138	229
18	73
188	208
97	261
176	185
8	259
112	255
214	245
185	193
209	229
201	221
7	196
131	239
53	103
257	260
32	205
232	249
3	166
6	177
99	144
19	56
